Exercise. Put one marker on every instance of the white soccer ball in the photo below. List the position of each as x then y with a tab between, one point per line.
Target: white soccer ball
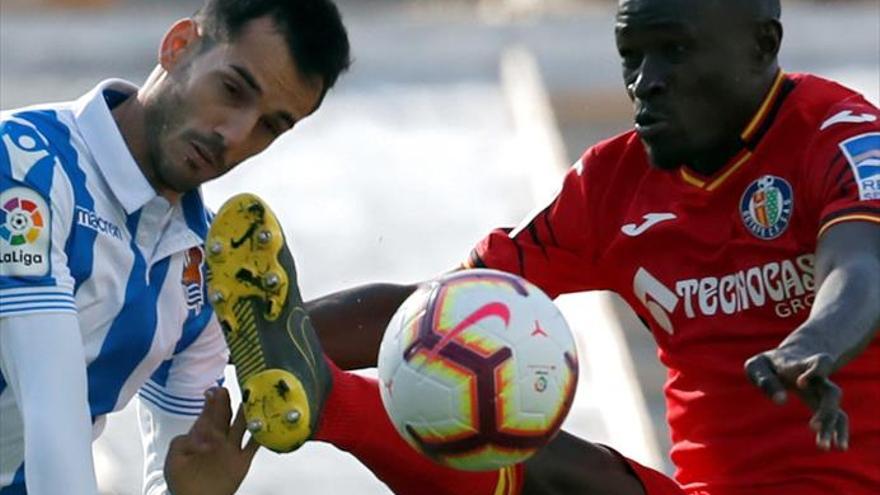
478	369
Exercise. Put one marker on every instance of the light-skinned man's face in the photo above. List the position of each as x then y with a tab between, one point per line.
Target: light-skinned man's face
221	102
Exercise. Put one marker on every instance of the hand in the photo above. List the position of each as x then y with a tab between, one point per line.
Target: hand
210	459
805	371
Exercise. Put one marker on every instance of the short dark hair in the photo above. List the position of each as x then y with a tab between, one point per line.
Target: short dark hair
313	29
769	9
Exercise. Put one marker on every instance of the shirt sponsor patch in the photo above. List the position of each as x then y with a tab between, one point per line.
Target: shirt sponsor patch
863	153
91	220
25	239
766	207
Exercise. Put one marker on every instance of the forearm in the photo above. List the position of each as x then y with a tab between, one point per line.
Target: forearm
351	323
573	465
43	362
845	316
158	428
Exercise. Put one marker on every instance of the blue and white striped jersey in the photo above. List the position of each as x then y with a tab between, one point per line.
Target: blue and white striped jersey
83	232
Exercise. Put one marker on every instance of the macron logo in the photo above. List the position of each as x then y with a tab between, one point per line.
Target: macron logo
847	117
651	219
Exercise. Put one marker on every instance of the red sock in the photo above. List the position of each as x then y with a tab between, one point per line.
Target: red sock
355	420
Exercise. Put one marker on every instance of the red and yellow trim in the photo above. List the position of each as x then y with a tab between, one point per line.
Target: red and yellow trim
509	480
693	180
747	135
746	156
855	217
764	110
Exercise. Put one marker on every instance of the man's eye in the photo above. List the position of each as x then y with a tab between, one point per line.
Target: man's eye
272	129
630	58
231	88
676	51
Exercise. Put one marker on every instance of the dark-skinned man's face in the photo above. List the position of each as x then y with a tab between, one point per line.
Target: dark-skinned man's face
689	67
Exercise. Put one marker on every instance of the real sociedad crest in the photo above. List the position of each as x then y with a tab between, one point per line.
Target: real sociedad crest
766	207
193	279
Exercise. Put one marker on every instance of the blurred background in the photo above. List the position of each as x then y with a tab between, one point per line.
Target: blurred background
457	116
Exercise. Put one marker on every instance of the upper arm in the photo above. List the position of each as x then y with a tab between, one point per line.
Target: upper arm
554	246
855	244
36	207
842	168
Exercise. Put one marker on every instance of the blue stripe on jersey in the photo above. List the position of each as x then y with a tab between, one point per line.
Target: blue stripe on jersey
80	242
160	376
194	213
165	406
193	327
17	486
131	334
171	398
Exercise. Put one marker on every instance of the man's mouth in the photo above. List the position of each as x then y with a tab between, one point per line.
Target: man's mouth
202	157
651	124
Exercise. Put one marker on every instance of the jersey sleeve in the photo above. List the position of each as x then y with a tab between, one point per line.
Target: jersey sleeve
36	208
158	428
843	165
554	247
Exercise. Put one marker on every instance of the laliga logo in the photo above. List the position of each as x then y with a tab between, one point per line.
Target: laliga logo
20	224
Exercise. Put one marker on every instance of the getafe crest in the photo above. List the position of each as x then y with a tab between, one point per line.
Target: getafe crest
766	207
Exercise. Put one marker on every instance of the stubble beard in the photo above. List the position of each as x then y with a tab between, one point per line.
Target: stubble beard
164	117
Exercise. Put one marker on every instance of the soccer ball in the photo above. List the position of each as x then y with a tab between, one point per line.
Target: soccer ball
478	370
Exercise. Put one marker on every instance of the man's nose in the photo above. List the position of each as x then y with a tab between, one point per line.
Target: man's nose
237	128
652	79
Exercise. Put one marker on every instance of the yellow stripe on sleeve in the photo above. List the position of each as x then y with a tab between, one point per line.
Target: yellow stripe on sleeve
507	482
501	488
860	217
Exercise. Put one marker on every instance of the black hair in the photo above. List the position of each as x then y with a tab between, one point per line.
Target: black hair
313	29
769	9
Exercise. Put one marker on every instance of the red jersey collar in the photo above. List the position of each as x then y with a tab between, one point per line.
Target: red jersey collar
751	135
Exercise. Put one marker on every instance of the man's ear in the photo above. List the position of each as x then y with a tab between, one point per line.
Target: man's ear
768	40
178	42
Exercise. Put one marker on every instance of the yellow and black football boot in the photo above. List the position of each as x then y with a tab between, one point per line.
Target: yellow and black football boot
278	360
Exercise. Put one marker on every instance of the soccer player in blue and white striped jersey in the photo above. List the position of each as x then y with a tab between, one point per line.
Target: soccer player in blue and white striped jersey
102	225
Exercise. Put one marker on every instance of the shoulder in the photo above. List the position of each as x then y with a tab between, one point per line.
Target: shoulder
35	145
824	103
33	134
615	149
614	164
612	156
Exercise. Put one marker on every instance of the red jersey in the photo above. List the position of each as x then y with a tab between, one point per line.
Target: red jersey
722	268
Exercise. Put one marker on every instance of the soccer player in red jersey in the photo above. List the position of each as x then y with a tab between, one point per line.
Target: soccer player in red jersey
741	220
